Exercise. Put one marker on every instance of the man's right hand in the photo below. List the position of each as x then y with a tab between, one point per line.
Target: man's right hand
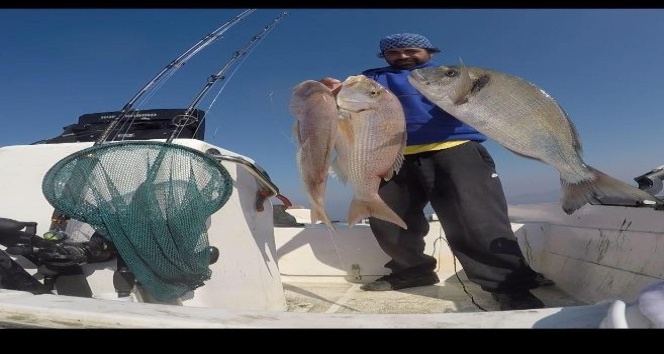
332	83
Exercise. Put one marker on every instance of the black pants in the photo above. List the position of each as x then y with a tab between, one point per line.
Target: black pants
465	192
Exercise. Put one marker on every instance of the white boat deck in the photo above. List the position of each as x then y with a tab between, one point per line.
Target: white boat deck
339	263
323	294
305	294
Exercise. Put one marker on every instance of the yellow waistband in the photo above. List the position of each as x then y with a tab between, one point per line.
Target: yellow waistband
415	149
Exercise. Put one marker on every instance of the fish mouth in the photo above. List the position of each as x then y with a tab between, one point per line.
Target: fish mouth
347	111
344	105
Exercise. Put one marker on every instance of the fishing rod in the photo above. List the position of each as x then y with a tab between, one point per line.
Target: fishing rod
59	220
174	65
184	119
167	146
164	200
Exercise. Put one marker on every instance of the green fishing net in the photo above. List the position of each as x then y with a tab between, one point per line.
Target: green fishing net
152	200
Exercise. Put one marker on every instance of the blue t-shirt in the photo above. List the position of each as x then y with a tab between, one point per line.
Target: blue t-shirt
425	122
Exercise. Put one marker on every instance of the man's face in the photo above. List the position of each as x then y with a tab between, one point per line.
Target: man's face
406	58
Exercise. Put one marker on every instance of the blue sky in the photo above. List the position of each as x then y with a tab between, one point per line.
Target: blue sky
604	66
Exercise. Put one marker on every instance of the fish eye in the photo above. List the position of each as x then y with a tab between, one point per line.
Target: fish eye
373	93
451	73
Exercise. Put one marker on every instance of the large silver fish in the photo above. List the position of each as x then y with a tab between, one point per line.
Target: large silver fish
314	106
372	135
527	121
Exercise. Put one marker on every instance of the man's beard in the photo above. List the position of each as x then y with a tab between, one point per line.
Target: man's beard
405	63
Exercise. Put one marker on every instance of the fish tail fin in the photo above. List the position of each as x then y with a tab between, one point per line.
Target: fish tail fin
360	209
602	186
318	213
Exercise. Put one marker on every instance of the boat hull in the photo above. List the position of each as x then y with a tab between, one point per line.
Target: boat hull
308	276
246	276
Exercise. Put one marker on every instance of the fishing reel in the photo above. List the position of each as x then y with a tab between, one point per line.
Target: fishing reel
52	252
651	182
54	248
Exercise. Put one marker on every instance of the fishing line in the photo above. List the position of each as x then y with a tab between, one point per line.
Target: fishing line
268	30
214	133
124	129
214	100
248	49
454	265
181	121
171	67
342	262
288	137
220	75
237	67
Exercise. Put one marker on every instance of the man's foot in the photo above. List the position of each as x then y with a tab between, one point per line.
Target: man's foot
522	300
396	282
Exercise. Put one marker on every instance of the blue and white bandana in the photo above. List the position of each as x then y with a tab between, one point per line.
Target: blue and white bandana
405	40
